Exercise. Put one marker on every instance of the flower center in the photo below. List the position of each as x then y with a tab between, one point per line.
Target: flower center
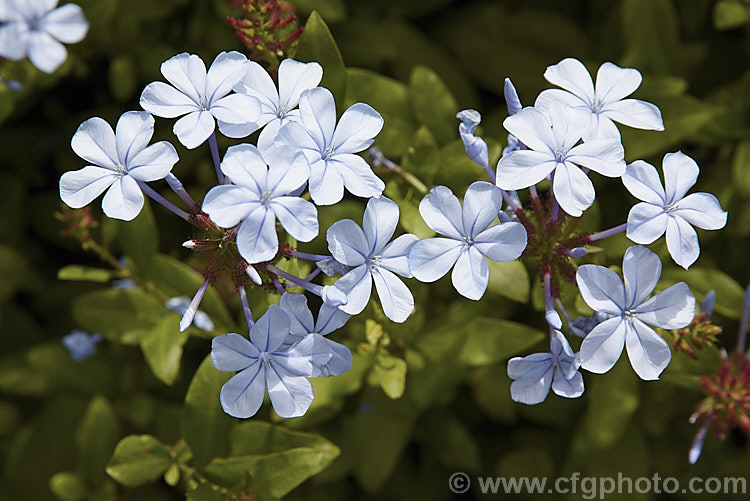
560	154
670	208
597	105
327	153
468	241
203	104
265	198
373	262
265	358
629	314
121	169
282	111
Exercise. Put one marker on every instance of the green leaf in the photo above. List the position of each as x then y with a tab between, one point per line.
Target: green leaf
317	44
741	167
162	348
84	273
729	294
490	340
651	36
433	104
138	459
729	14
68	486
119	315
139	239
122	77
277	459
13	272
205	425
454	444
332	10
205	492
423	156
390	373
96	438
509	279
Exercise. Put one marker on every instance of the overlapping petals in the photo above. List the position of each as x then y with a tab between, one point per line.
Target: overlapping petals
374	259
470	238
120	161
258	196
604	103
203	97
331	148
669	209
631	314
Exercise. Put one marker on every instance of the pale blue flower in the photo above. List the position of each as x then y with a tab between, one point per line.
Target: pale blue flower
180	305
671	210
36	28
373	259
470	238
535	374
476	148
277	106
203	97
331	267
263	362
553	142
259	195
632	313
603	104
81	344
513	103
120	162
332	148
329	319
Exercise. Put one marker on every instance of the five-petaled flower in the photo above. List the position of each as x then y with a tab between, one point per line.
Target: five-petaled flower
258	196
471	240
277	107
631	314
203	97
374	259
329	319
121	161
332	148
553	142
265	362
36	28
670	210
535	374
605	103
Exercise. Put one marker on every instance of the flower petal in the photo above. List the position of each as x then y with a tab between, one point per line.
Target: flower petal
702	210
395	255
94	141
357	285
573	189
257	83
642	181
471	274
298	217
271	329
680	174
533	387
347	242
568	388
614	83
242	395
257	240
358	177
502	242
432	258
634	113
649	354
602	347
523	168
236	109
568	124
288	171
66	23
572	75
672	308
14	40
379	223
330	319
187	73
604	156
194	128
291	395
601	289
318	113
225	72
646	223
326	182
295	78
682	242
442	211
244	166
133	132
295	305
45	52
123	200
153	162
545	99
356	129
341	359
227	205
641	270
78	188
482	201
532	128
232	352
519	367
165	101
395	297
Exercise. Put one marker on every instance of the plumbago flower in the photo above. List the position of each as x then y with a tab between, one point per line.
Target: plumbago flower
332	148
670	210
476	148
258	196
631	314
605	103
374	259
553	149
81	344
122	164
36	28
471	240
535	374
329	319
277	107
264	362
201	96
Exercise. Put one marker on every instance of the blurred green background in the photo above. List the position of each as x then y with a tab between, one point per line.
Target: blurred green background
426	398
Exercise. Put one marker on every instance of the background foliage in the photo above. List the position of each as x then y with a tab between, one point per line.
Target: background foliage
424	399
